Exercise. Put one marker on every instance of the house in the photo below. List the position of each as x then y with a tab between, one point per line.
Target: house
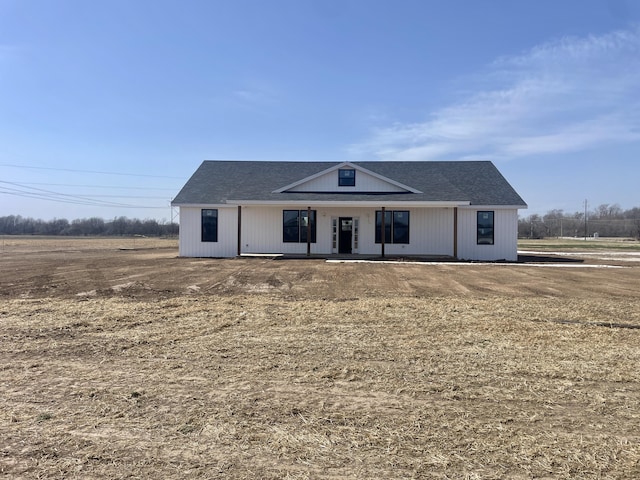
464	210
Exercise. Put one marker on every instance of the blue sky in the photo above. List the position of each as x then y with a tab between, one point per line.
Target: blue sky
109	106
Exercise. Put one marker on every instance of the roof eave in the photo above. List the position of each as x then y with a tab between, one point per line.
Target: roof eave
352	203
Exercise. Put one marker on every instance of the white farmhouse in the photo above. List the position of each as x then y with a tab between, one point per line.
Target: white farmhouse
464	210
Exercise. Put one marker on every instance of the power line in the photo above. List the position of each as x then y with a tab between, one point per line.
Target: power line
123	196
87	196
42	194
97	186
60	200
89	171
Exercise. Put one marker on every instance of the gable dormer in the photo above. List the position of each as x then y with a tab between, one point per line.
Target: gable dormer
346	177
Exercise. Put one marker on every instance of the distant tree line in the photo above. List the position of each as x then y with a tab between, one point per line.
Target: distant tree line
605	221
121	226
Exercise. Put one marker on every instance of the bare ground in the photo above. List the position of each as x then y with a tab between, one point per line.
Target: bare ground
121	360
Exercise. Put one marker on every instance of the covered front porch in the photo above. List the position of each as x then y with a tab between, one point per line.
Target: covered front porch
323	230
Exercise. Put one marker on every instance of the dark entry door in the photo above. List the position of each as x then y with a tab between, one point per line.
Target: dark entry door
346	235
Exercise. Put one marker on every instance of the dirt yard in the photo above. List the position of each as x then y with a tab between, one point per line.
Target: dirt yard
120	360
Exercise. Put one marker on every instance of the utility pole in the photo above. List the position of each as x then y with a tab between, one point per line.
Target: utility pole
585	218
561	234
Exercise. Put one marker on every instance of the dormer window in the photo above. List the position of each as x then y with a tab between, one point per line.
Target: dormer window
346	177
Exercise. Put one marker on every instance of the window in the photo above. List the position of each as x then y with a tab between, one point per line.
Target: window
356	233
485	228
401	227
346	178
209	222
396	226
334	236
294	226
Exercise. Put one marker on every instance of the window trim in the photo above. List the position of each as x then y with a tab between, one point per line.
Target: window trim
205	235
346	177
301	229
390	236
480	236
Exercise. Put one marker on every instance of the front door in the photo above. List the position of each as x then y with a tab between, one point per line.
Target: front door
345	235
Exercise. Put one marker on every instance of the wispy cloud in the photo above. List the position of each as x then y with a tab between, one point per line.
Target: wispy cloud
252	97
568	95
255	96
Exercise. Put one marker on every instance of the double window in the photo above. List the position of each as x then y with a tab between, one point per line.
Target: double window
209	225
346	177
396	226
295	225
485	228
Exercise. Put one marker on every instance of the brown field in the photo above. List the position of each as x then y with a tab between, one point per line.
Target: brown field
120	360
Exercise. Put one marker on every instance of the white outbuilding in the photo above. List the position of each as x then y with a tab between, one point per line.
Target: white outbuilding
464	210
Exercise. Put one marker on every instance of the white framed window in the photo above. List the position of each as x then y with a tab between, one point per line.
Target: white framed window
356	225
334	234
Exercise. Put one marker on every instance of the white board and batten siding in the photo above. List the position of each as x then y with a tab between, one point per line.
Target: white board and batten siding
262	231
505	244
431	231
364	183
191	244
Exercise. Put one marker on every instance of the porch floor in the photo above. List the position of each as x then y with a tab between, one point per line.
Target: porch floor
352	256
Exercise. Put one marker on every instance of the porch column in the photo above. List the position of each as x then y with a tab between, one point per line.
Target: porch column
308	231
239	230
455	232
382	232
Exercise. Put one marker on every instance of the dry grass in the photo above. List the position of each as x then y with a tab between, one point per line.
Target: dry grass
569	244
262	387
254	374
38	243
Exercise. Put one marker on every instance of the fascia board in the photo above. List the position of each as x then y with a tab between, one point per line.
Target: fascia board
338	203
312	177
495	207
204	205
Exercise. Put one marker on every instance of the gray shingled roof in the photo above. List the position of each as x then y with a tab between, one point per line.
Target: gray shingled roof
478	182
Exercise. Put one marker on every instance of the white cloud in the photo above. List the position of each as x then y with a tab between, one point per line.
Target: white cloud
255	95
563	96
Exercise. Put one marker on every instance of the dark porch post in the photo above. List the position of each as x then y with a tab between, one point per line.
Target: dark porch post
239	230
382	232
308	231
455	232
